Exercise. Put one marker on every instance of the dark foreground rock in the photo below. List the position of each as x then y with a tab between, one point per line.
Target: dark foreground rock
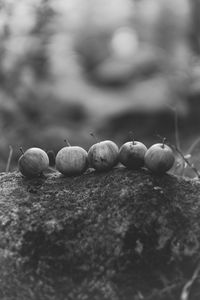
120	235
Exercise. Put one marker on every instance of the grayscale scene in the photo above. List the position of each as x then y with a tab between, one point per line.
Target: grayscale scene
100	150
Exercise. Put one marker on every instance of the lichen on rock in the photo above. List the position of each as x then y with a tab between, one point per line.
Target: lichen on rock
117	235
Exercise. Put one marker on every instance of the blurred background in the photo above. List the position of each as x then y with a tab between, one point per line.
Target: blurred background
72	67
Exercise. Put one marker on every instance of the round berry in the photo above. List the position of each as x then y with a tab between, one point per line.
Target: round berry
103	156
131	154
159	158
72	161
33	162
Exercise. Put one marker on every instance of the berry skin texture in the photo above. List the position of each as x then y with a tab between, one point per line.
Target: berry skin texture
33	162
72	161
159	158
131	154
103	156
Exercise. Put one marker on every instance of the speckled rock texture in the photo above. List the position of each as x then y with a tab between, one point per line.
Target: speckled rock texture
119	235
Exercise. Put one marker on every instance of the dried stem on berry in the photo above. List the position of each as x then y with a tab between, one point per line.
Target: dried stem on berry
94	136
163	142
67	142
21	150
131	135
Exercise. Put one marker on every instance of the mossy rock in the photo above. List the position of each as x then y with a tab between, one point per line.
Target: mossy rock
120	235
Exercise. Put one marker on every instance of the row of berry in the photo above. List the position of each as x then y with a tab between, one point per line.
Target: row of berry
102	156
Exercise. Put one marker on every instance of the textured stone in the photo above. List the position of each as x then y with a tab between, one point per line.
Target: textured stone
119	235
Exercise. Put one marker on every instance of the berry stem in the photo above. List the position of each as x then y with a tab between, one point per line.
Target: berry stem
21	150
132	137
163	142
67	142
94	136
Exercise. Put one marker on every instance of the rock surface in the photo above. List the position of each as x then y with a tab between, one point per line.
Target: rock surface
120	235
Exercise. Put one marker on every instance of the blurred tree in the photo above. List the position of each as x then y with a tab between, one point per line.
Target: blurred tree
38	59
77	64
195	28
